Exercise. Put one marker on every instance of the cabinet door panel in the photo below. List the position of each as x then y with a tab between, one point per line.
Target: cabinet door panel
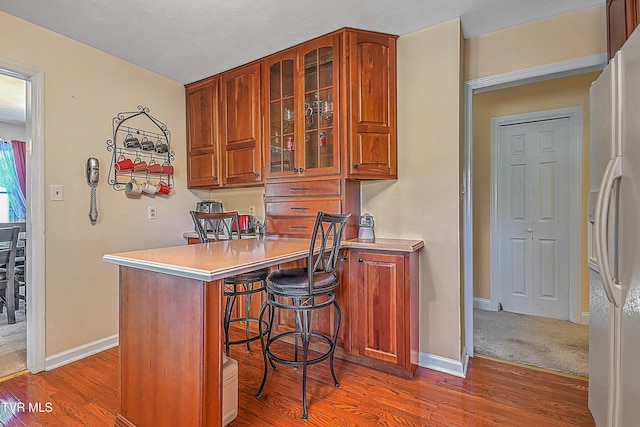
282	108
372	109
320	70
240	145
380	289
202	170
202	123
202	133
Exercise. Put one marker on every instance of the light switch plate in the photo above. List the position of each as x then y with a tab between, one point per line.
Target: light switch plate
57	192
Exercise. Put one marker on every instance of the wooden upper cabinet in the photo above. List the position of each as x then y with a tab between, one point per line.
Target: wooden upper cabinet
240	145
372	146
202	133
623	17
323	108
301	87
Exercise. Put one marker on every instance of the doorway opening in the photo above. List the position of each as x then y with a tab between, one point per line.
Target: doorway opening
34	224
477	253
13	134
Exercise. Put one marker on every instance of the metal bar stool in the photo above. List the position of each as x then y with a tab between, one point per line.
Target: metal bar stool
243	285
303	291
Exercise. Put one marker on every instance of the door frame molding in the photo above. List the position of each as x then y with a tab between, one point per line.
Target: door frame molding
574	114
35	274
570	67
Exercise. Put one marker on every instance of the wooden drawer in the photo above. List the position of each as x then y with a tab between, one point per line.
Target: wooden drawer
309	207
293	226
329	187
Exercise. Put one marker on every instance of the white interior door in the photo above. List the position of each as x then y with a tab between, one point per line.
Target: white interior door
533	244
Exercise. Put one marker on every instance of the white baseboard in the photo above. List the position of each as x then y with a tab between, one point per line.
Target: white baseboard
442	364
584	318
482	303
81	352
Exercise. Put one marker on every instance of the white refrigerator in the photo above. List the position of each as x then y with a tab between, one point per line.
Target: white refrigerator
614	241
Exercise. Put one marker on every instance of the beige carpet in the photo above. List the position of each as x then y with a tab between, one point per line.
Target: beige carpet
551	344
13	343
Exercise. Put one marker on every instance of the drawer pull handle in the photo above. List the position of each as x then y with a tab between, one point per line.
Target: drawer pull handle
298	209
356	166
298	188
298	227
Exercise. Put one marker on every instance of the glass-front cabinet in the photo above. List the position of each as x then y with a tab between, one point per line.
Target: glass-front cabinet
302	84
281	114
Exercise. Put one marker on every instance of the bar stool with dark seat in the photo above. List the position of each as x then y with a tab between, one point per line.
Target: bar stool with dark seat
304	291
242	285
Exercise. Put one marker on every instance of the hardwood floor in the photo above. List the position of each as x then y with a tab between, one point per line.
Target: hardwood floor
84	393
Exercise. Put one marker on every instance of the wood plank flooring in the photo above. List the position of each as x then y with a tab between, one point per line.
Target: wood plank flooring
84	393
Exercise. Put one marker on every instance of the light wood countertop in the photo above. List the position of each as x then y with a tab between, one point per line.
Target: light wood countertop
216	260
383	244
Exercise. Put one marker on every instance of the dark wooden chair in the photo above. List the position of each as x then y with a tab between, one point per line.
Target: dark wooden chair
226	225
8	249
304	291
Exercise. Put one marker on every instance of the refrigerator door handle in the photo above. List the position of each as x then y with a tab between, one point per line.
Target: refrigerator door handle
601	241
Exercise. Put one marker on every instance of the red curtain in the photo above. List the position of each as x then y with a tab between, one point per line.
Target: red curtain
20	156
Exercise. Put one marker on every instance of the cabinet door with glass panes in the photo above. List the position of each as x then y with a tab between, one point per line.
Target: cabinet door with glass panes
320	71
281	109
302	85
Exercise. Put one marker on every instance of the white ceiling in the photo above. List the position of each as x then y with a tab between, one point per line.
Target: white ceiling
186	40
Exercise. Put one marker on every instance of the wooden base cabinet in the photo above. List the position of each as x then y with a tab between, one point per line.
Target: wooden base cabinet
384	310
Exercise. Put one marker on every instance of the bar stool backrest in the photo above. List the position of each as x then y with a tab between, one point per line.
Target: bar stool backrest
218	223
325	244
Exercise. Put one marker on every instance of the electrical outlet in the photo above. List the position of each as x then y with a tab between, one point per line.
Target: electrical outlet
153	212
252	210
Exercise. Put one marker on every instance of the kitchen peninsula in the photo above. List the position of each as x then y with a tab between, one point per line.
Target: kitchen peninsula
171	320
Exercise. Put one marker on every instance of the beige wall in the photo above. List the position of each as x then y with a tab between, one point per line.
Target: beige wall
423	202
572	35
548	95
83	90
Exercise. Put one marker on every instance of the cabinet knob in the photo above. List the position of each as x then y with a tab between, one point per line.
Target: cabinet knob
256	174
360	260
355	166
295	170
301	170
215	178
